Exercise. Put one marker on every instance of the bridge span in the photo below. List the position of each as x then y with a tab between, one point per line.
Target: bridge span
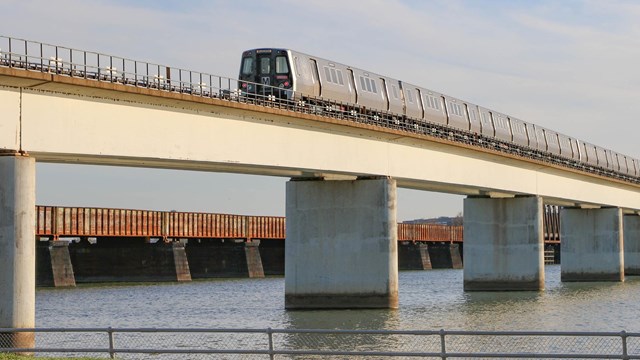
71	106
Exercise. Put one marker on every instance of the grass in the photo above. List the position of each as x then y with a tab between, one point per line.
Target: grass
24	357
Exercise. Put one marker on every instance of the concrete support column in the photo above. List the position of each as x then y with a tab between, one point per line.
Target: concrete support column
632	245
254	261
17	249
61	267
456	257
180	261
414	256
503	244
341	249
591	244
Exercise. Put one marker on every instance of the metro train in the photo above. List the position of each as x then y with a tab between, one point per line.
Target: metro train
301	77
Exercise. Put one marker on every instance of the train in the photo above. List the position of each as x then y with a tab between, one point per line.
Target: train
296	76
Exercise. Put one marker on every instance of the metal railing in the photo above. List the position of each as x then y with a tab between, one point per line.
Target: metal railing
59	60
132	343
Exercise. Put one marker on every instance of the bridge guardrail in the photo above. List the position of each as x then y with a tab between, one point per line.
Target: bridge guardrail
135	343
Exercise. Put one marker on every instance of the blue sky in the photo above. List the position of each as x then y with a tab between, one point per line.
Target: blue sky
567	65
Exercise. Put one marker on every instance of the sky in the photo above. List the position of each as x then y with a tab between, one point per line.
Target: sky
571	66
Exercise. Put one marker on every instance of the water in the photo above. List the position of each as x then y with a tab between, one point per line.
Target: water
429	300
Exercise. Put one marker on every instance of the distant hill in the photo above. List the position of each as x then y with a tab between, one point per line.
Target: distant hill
443	220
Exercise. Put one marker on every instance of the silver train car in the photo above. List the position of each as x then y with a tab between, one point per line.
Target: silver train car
297	76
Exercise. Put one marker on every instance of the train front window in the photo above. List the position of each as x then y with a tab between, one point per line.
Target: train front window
265	65
281	65
247	66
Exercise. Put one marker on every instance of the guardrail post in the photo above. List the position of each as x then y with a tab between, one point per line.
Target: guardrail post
112	353
270	335
623	335
443	347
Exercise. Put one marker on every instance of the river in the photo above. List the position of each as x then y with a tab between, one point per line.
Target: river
431	299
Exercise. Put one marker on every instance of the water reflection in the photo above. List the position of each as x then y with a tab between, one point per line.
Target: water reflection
365	319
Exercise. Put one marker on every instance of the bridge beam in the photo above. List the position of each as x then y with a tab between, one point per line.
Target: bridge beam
17	249
632	245
503	244
592	244
341	249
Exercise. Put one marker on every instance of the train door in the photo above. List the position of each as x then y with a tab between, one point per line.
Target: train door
385	94
264	73
351	80
316	78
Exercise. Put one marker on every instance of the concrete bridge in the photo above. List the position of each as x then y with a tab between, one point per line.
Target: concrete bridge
341	200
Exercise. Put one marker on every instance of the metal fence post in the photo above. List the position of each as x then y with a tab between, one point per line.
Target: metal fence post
270	335
112	353
443	348
623	335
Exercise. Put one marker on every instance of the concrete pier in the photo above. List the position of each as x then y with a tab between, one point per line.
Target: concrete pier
414	256
592	244
503	244
254	262
456	257
632	245
341	249
17	249
180	262
61	268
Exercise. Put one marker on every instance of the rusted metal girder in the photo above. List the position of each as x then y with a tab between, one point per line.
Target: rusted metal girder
56	221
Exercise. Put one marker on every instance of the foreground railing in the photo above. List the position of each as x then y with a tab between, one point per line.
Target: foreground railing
130	343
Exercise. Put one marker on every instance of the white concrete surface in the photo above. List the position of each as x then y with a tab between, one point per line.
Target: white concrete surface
341	249
119	128
592	244
503	244
17	245
631	245
10	118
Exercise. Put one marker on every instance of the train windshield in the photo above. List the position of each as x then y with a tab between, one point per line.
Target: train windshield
247	66
281	65
265	65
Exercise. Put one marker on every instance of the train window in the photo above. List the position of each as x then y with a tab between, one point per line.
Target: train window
455	109
265	65
281	65
334	75
368	84
485	118
394	90
409	96
432	102
472	115
296	63
247	66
